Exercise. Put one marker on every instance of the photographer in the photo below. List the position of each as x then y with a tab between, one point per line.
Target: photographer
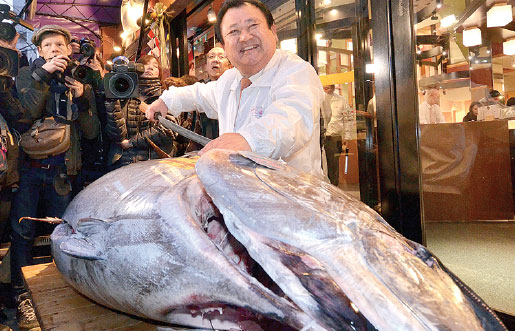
94	151
135	137
62	106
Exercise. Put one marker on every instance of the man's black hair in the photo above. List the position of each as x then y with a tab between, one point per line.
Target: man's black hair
238	3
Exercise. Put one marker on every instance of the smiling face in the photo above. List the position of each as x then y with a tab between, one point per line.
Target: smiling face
151	69
216	63
52	45
248	41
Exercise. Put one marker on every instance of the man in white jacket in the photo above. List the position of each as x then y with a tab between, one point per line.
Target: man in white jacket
268	103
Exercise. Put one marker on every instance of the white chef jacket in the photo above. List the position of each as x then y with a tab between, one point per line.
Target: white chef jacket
278	115
343	118
430	114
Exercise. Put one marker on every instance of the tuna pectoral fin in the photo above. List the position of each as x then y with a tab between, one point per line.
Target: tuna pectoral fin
87	243
81	248
334	308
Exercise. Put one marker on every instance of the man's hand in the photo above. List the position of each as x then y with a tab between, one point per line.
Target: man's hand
124	144
75	45
232	141
76	87
94	64
57	63
158	107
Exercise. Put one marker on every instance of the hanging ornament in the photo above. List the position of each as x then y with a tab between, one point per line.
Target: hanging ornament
160	11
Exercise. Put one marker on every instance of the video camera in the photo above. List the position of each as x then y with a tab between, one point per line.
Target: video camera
121	82
9	58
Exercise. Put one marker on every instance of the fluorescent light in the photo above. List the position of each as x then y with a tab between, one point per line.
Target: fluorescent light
370	68
447	21
472	37
508	47
499	16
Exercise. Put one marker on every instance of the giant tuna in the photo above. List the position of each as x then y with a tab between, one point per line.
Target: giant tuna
148	239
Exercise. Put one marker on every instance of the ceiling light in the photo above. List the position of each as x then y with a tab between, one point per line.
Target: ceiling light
326	2
447	21
318	36
370	68
211	16
499	16
333	12
472	37
508	47
117	49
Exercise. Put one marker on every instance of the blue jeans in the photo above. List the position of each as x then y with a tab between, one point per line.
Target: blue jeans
35	185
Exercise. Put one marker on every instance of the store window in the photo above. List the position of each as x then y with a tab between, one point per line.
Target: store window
345	66
466	81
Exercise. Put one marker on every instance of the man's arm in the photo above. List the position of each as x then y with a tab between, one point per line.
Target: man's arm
175	100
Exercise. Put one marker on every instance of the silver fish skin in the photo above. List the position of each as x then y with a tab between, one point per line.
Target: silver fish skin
133	241
298	227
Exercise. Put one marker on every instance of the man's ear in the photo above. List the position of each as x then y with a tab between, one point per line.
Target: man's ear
39	50
70	49
274	31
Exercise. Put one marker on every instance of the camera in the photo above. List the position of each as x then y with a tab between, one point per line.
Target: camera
9	61
9	58
77	71
86	47
121	82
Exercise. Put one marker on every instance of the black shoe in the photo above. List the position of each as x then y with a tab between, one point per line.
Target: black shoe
25	315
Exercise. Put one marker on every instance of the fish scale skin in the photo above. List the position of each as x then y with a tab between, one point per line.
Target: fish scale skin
374	265
158	263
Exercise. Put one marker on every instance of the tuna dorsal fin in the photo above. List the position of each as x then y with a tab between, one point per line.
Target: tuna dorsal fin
91	226
81	248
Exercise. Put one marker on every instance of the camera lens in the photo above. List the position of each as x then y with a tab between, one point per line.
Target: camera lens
5	63
87	50
80	73
7	31
121	85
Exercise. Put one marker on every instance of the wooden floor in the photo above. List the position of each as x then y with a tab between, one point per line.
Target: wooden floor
59	307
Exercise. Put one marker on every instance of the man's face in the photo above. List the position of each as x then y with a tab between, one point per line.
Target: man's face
329	89
216	63
433	97
53	45
248	42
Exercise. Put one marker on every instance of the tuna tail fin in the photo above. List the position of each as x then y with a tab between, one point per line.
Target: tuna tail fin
85	244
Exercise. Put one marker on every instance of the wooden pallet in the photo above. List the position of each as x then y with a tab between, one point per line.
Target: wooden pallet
59	307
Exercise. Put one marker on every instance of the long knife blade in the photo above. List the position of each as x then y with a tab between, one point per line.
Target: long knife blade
183	131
